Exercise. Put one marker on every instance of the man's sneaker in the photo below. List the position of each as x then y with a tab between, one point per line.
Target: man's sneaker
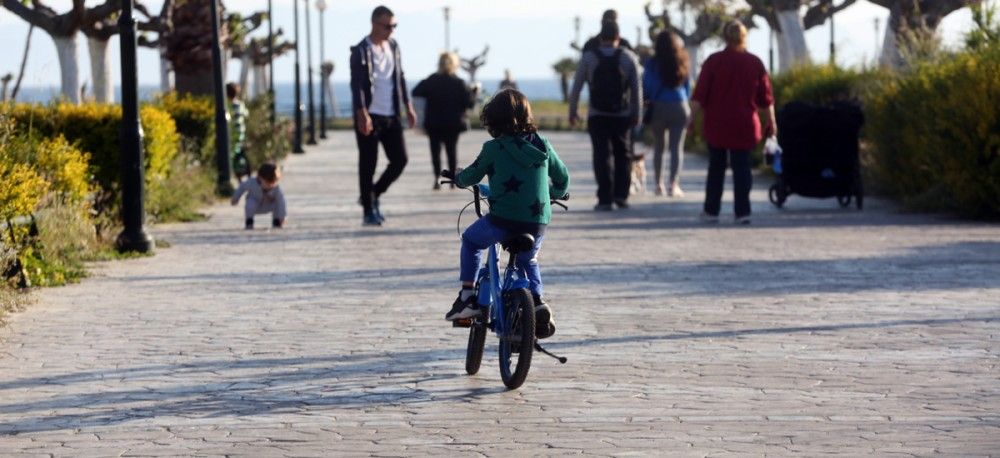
621	204
376	210
743	220
371	220
603	208
545	323
463	309
248	224
706	218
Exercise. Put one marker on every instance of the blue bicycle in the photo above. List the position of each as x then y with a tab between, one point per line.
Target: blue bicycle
508	305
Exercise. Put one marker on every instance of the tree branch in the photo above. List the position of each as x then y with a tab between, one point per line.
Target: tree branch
37	16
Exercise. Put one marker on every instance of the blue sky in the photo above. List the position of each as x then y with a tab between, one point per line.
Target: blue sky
526	36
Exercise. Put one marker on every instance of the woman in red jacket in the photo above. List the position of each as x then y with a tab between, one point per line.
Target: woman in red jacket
732	87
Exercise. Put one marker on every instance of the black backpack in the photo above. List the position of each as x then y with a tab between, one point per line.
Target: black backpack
607	85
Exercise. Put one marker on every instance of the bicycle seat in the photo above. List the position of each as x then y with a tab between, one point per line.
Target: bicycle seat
518	243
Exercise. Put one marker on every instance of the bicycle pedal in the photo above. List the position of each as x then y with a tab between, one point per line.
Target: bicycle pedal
462	323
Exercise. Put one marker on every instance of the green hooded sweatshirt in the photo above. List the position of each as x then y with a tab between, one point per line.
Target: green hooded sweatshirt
519	178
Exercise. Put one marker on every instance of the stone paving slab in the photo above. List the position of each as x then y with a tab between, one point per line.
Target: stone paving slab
814	331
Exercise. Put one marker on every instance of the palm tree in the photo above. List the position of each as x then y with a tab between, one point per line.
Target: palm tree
189	45
565	68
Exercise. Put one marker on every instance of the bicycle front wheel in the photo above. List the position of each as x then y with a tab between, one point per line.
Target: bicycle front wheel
517	341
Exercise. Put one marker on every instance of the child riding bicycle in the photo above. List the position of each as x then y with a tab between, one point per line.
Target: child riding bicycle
520	164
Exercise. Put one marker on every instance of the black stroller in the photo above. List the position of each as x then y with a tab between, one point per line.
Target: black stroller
819	155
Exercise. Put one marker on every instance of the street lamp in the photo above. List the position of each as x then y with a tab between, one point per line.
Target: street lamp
270	60
133	236
297	137
833	47
224	185
321	6
309	77
447	27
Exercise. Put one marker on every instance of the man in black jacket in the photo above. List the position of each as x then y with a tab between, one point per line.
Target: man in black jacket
380	98
595	41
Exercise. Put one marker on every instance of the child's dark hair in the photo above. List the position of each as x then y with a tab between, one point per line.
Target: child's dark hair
268	171
508	113
232	90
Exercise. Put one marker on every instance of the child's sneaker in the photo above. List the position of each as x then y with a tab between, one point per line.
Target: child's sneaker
248	224
277	223
462	309
545	323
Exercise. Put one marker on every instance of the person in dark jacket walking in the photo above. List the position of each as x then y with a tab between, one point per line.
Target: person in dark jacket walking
380	98
612	75
448	99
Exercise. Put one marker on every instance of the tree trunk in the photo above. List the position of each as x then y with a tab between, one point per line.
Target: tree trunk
245	75
166	74
69	65
891	56
564	86
200	83
100	71
695	64
24	64
793	36
259	80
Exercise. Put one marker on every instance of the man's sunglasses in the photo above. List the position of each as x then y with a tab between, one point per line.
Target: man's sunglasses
391	26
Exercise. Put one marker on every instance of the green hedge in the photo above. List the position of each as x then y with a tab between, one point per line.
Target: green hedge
936	134
94	129
195	120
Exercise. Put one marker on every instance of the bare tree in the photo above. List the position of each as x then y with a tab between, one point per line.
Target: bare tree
913	21
472	64
710	16
63	29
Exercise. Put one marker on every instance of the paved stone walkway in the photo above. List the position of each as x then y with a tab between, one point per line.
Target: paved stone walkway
814	331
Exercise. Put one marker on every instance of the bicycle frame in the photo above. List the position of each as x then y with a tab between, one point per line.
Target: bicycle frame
491	286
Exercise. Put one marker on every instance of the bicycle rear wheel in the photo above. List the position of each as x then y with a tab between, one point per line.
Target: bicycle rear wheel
517	342
474	352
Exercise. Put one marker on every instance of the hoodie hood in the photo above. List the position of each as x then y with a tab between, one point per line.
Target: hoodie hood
525	152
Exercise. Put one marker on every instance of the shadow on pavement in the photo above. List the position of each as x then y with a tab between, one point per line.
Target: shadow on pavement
963	265
292	385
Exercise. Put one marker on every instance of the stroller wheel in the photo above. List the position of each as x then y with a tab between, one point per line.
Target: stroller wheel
844	200
776	194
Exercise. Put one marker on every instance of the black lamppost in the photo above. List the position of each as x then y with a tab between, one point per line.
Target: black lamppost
321	6
223	185
133	236
309	78
297	138
270	60
833	47
447	29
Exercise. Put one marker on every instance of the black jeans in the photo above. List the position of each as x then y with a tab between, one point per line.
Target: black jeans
389	131
739	160
449	138
609	136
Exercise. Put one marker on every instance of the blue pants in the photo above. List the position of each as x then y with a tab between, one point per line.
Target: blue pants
479	236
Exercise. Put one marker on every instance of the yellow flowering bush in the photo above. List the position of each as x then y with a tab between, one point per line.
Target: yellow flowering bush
94	129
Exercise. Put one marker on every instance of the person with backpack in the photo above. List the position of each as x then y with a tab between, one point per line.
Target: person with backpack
612	74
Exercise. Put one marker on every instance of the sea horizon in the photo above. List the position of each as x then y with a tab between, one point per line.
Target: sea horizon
534	89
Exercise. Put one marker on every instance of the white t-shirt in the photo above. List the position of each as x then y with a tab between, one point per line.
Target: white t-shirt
383	65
